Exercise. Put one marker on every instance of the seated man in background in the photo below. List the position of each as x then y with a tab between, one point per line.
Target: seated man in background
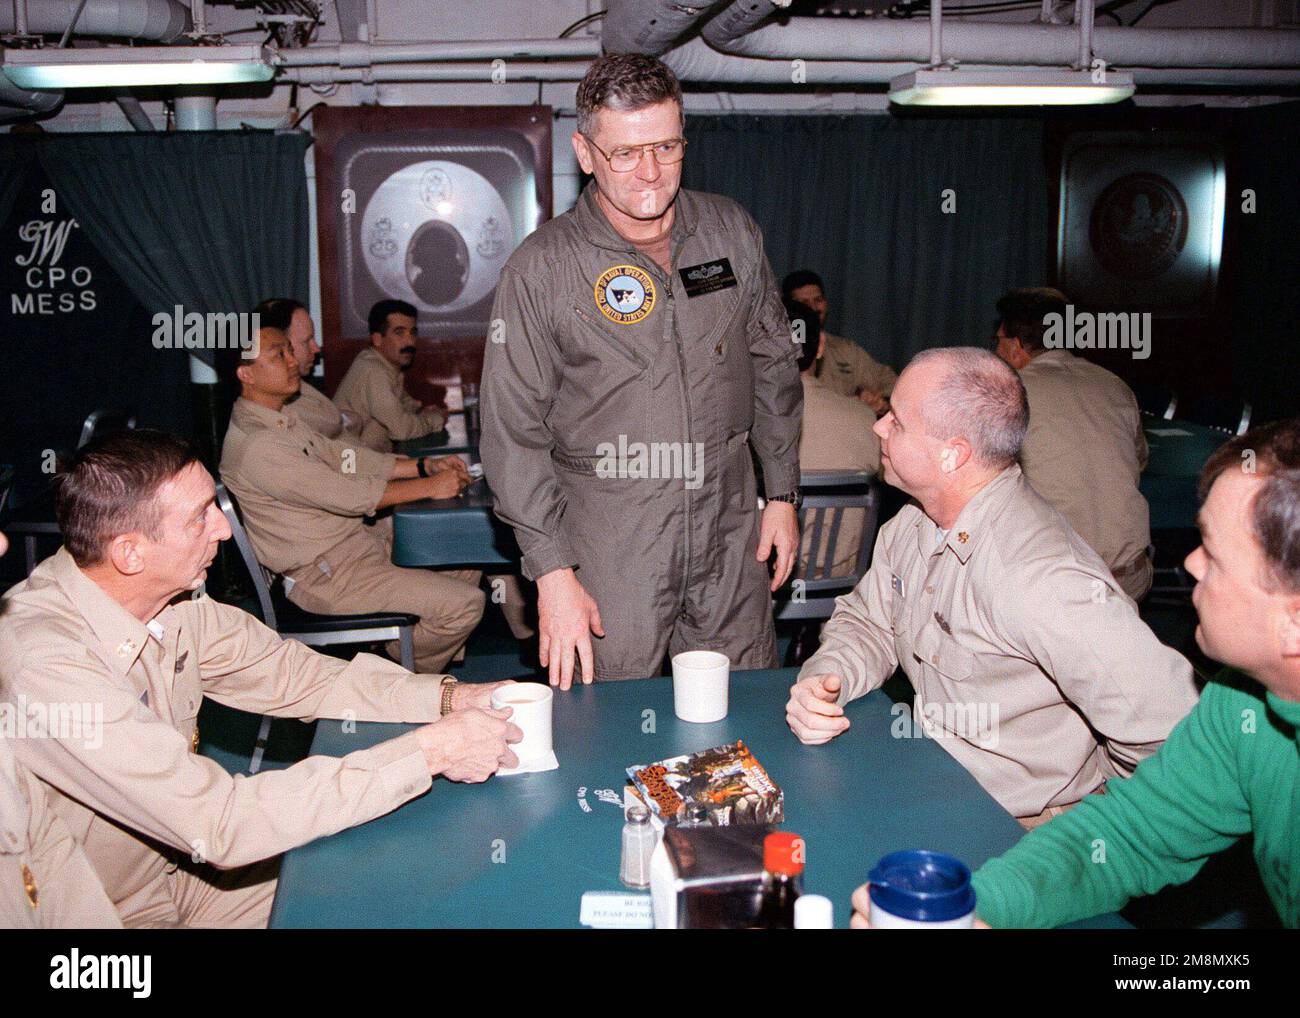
843	366
46	881
1030	665
312	407
1232	767
837	435
1085	449
303	498
117	618
373	392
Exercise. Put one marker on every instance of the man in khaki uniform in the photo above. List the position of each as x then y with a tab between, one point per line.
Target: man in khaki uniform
303	498
1085	450
837	435
46	881
1030	664
117	617
372	390
312	407
843	366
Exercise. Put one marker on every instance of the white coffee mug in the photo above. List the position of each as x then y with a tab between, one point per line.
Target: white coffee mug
531	704
700	681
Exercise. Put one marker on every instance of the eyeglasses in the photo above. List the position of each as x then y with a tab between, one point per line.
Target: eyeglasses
627	158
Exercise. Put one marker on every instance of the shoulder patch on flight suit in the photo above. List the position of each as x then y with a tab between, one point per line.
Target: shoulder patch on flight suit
625	294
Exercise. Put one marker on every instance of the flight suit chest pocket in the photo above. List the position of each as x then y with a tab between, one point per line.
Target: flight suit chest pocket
939	651
596	337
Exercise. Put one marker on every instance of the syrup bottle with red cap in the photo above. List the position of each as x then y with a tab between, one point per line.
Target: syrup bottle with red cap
783	863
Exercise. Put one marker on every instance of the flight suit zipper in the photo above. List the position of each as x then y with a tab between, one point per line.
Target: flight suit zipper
670	308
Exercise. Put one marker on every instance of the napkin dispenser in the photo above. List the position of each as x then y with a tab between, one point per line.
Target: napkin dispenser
708	878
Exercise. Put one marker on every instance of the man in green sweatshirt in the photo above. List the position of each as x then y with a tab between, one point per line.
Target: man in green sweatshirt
1232	766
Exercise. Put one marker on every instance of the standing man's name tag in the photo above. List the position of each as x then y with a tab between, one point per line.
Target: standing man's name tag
708	277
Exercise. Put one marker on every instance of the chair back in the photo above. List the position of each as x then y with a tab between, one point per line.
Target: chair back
829	496
1231	416
1155	400
257	573
101	422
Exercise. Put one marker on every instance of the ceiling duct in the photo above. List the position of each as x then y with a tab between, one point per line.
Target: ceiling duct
649	26
154	20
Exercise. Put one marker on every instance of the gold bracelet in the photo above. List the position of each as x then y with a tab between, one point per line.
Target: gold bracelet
448	686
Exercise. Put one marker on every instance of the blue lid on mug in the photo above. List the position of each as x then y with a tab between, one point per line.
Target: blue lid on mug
926	887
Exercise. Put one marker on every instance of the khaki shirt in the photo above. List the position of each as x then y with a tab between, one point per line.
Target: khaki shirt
318	412
300	494
846	368
1029	663
1085	452
373	392
836	435
45	878
135	794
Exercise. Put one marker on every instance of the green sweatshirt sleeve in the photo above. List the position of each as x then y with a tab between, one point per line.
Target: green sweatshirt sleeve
1182	805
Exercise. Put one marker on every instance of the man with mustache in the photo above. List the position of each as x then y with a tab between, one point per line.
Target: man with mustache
372	390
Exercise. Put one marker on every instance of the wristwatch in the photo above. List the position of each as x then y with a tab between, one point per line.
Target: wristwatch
795	498
448	687
419	466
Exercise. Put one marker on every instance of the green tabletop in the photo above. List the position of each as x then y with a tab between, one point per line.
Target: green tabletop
447	532
430	863
1178	450
454	437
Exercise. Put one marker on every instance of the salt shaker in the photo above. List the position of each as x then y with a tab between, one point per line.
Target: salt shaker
638	845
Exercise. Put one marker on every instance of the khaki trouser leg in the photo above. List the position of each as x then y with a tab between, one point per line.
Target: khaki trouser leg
512	604
209	898
362	579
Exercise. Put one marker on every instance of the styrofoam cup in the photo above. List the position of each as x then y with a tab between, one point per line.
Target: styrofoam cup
700	681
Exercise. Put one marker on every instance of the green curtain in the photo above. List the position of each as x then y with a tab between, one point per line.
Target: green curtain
861	200
1264	301
213	221
15	158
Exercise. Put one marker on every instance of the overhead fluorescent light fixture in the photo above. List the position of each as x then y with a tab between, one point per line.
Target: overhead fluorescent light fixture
1016	87
116	66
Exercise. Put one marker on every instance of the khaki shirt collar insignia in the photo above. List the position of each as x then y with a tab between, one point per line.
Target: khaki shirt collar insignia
115	629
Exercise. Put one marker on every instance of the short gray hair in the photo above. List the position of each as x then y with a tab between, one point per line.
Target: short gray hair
979	398
624	82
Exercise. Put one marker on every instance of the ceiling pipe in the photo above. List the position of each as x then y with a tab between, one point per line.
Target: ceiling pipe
196	111
517	71
358	54
696	61
993	43
649	26
17	103
936	33
20	17
156	20
739	18
134	112
1083	17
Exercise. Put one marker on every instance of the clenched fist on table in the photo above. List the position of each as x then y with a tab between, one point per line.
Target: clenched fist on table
813	713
